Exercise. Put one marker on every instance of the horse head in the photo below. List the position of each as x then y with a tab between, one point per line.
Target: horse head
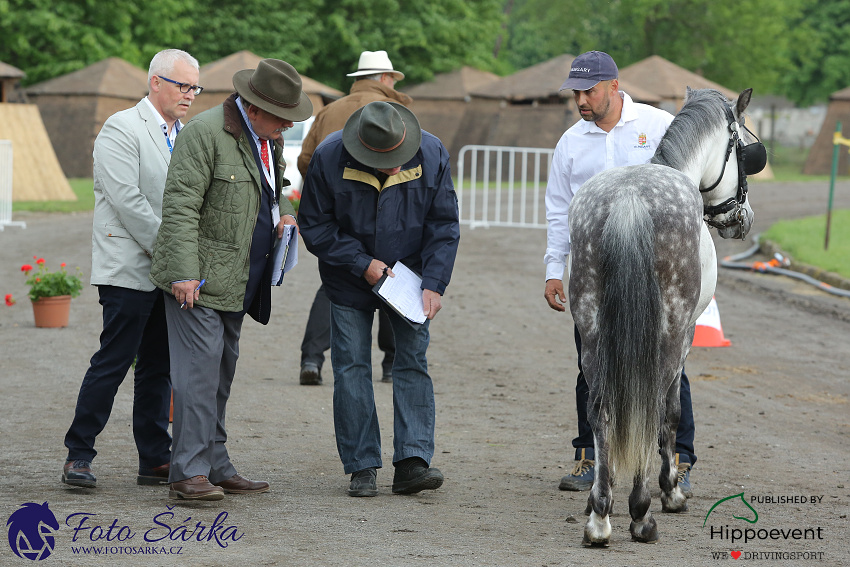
726	206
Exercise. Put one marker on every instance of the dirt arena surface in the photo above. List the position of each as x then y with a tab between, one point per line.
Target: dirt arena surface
772	416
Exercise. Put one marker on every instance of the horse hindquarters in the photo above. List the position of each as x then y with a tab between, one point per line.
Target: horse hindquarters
630	315
616	301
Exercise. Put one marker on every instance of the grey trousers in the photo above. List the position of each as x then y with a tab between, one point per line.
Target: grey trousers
204	347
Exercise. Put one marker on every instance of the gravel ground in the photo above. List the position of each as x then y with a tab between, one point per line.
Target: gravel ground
771	414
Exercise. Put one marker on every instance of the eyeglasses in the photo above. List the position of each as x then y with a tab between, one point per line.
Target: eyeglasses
184	87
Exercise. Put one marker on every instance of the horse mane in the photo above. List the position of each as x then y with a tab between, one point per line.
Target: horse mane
699	117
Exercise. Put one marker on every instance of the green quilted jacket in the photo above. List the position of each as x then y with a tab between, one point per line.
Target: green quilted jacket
210	207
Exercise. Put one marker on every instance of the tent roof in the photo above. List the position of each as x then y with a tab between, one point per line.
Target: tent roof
544	80
9	72
666	79
843	94
111	77
36	173
455	85
217	76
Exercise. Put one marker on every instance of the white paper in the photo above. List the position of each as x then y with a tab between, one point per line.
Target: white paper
404	293
285	253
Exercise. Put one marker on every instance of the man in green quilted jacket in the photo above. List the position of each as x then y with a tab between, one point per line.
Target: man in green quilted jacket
221	218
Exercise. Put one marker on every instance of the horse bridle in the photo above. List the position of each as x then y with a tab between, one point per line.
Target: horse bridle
752	158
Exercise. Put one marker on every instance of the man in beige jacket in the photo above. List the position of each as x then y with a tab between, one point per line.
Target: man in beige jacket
375	80
131	157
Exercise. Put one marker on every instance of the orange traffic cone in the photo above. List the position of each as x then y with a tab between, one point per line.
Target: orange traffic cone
708	332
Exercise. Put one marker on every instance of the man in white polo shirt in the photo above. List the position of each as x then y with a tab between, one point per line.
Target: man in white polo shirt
614	131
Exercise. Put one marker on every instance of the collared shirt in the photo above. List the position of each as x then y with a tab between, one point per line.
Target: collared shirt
169	136
258	142
584	150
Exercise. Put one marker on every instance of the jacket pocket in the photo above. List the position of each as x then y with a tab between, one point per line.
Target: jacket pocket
218	263
228	187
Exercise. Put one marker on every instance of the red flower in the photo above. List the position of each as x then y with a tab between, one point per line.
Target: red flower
9	300
38	279
26	268
40	261
62	265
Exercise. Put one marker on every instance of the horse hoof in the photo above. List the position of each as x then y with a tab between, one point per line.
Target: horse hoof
587	543
675	503
644	532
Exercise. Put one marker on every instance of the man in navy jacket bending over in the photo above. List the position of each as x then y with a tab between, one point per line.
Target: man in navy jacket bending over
377	192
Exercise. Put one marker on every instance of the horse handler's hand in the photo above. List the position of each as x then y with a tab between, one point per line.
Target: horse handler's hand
554	294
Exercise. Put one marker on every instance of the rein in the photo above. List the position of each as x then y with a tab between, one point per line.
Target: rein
735	203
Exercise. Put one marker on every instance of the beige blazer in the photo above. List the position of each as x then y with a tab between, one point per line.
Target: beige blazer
131	160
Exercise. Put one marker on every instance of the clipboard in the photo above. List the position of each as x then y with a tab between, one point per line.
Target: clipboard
285	254
403	294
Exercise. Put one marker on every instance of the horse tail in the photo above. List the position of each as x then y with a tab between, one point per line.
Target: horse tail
630	323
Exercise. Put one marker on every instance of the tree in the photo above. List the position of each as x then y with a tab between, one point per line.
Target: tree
422	37
820	52
47	38
730	42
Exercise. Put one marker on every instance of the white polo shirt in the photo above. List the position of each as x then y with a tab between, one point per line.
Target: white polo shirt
583	151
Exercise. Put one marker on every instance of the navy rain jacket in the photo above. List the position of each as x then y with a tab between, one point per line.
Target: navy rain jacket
347	219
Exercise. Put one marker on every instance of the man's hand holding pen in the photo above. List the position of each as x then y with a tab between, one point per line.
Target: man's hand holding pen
186	293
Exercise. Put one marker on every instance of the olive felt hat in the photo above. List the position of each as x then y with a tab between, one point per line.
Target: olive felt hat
274	86
383	135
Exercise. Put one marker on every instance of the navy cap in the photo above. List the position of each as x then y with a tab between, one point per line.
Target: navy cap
590	68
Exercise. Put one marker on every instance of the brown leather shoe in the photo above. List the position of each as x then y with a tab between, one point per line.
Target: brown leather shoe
78	473
195	488
153	477
240	485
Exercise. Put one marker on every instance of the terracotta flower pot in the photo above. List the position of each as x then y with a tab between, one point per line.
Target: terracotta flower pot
52	311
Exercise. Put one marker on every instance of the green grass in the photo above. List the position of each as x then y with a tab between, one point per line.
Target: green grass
803	240
83	189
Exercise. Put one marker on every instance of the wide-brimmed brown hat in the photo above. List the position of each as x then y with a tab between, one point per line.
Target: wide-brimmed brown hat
383	135
274	86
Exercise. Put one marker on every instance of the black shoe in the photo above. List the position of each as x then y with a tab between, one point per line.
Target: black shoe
413	475
154	476
387	371
78	473
364	483
310	374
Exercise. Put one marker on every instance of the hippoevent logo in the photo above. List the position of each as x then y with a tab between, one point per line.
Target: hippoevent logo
31	530
731	515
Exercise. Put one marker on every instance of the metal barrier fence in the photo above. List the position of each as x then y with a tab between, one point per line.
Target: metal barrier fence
6	186
503	186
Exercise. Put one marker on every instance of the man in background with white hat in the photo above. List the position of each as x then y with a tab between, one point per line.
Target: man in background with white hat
221	217
375	80
378	192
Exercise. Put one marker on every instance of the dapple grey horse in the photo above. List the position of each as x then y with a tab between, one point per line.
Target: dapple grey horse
643	269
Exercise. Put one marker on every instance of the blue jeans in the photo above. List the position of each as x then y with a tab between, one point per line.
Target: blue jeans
358	435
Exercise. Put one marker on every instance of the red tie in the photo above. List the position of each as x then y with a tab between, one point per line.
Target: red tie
264	154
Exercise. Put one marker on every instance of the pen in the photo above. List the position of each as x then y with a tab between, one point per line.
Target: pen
203	281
